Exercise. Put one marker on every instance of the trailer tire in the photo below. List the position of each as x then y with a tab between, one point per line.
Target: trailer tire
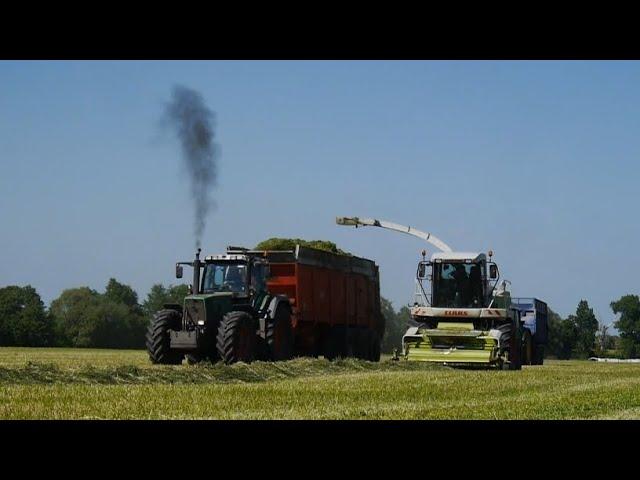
236	341
361	343
374	348
158	341
538	355
527	348
279	335
335	344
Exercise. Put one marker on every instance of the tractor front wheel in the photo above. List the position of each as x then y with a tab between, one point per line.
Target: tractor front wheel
236	341
158	340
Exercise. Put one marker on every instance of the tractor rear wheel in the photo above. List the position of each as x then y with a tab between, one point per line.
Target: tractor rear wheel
279	335
158	340
236	341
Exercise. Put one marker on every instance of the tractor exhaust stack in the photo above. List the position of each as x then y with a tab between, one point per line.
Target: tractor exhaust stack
196	273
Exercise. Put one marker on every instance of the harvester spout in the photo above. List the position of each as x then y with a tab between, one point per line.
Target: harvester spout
357	221
196	273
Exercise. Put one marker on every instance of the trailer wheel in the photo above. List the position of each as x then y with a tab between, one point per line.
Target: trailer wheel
335	344
236	340
374	348
158	341
527	348
279	335
538	355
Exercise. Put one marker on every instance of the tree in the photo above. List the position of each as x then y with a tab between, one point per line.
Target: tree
120	293
23	318
392	336
628	307
587	326
86	318
563	335
160	295
72	313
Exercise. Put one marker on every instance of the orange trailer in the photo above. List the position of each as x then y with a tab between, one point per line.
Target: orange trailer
335	301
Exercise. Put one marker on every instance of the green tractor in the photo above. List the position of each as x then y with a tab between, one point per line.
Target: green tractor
229	315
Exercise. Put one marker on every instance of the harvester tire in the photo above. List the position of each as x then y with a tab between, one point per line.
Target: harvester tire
279	335
236	341
158	340
527	348
509	346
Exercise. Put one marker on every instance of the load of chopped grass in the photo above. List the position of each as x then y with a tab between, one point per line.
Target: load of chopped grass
290	244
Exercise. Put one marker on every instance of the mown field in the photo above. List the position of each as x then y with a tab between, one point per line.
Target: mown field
114	384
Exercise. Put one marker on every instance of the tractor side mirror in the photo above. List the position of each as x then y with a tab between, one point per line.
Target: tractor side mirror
178	271
493	272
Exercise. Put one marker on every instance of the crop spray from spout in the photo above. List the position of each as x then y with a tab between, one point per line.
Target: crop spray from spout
193	123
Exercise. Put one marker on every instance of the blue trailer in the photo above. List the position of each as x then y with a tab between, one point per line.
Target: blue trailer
534	318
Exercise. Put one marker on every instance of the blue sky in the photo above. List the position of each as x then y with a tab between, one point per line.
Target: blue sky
535	160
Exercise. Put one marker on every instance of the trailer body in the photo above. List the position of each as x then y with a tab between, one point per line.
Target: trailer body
331	295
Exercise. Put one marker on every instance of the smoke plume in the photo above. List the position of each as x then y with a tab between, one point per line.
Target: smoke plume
193	124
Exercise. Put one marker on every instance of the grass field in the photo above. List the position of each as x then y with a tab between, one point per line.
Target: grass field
115	384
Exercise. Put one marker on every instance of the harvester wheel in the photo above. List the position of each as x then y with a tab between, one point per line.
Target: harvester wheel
510	349
236	340
158	340
279	335
527	348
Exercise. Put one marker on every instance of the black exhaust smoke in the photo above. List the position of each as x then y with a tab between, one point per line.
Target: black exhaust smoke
193	123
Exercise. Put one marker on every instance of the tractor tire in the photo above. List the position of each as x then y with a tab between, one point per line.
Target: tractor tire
279	335
236	341
158	340
510	348
538	355
527	348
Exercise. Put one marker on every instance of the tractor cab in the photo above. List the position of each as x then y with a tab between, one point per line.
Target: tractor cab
458	279
241	274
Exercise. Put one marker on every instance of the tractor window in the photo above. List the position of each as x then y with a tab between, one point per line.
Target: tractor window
257	277
457	285
225	277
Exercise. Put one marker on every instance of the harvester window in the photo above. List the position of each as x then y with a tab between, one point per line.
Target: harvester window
457	285
225	277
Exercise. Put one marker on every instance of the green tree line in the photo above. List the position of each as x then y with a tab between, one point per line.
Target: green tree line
81	317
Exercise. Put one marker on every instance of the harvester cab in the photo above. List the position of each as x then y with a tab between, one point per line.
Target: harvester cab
467	317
